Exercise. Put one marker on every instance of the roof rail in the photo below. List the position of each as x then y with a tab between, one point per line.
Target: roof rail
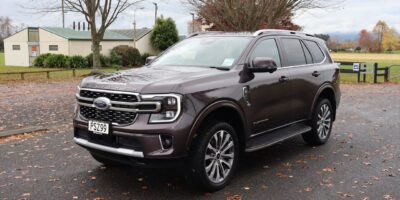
203	33
263	31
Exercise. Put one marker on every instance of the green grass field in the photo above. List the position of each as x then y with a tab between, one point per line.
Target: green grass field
2	59
383	60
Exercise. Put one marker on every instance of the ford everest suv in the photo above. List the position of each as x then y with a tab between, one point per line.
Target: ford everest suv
209	98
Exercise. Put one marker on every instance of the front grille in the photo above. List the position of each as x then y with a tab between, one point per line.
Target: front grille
86	98
119	117
111	96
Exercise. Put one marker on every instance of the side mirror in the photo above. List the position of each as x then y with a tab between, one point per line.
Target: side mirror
150	59
263	64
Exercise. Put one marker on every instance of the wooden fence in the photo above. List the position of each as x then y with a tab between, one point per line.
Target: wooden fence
22	74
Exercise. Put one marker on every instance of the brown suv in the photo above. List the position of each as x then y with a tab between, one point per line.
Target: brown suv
209	98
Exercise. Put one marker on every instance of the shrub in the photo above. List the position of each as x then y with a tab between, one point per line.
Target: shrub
103	60
115	59
130	56
55	61
39	61
144	57
77	62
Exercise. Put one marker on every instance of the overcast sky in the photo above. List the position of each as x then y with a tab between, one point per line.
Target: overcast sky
348	17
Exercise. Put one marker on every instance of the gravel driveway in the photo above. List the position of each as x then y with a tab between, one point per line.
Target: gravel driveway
361	161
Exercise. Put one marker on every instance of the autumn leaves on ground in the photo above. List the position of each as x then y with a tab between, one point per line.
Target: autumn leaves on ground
361	161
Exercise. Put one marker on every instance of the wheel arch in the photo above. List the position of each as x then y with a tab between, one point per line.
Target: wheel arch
224	110
326	91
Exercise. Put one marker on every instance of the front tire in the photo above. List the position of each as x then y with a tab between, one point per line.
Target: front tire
321	124
214	156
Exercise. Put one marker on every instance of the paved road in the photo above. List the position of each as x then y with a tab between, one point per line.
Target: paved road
361	161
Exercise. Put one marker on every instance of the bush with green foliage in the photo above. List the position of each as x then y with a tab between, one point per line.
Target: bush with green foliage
39	61
164	34
103	60
129	56
55	61
76	62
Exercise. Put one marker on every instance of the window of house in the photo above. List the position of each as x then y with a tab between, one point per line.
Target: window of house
267	48
16	47
294	52
316	51
53	47
33	35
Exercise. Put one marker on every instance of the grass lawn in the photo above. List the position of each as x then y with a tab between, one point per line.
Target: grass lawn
383	60
2	59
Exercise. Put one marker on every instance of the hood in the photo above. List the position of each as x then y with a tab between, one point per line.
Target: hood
148	79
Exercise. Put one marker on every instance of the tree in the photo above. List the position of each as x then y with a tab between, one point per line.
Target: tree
380	29
250	15
7	28
99	14
390	39
365	40
164	34
325	37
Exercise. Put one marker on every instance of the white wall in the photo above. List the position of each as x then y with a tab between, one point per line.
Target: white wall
144	45
84	48
46	38
14	57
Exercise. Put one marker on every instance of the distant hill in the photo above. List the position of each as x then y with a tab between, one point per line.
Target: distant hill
344	36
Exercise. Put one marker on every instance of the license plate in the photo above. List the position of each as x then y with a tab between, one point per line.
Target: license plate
99	127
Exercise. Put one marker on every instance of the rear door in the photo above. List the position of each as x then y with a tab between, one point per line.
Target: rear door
303	60
269	91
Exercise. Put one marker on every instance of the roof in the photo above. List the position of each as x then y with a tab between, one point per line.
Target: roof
130	33
72	34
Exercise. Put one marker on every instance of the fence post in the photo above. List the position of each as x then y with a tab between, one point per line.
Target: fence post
73	73
387	71
365	73
22	76
375	72
48	74
358	75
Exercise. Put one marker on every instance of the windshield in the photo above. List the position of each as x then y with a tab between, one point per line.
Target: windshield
214	51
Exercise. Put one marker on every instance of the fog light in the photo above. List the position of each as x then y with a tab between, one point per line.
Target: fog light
166	141
170	114
171	101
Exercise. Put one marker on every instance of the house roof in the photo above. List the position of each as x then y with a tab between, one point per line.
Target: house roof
72	34
130	33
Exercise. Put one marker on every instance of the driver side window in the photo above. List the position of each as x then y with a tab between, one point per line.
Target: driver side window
267	48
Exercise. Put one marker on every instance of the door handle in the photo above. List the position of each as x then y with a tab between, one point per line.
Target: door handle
316	73
283	79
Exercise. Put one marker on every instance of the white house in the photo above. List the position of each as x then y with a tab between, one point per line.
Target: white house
23	47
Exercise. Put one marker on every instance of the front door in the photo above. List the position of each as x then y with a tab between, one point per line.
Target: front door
33	53
269	91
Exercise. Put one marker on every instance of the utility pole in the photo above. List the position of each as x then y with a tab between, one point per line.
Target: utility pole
63	13
192	22
156	9
134	26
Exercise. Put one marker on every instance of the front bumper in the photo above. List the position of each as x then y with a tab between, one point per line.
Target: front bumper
138	140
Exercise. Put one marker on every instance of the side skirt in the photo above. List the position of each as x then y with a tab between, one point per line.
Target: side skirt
268	139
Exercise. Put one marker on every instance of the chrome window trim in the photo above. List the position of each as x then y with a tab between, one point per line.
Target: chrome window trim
120	151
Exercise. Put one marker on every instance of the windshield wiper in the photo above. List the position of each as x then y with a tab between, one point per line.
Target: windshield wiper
220	68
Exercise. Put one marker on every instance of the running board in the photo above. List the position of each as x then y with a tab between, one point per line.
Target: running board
268	139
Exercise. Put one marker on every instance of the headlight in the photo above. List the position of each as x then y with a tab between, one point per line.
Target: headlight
171	107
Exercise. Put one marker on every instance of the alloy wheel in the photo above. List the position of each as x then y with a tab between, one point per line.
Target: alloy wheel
324	122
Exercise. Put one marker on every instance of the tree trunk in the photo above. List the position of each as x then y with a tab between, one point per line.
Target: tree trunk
96	56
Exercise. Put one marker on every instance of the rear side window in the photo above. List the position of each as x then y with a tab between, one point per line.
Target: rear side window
267	48
315	51
307	54
294	52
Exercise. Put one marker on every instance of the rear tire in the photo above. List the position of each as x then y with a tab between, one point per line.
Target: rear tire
321	124
214	156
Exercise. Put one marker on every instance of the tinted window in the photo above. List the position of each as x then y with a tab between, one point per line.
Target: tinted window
315	51
294	52
267	48
307	54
